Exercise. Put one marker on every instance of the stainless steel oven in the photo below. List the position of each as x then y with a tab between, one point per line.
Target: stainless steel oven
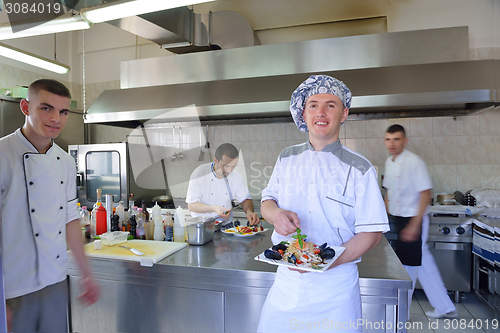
450	242
108	167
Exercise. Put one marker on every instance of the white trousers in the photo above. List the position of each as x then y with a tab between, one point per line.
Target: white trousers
430	278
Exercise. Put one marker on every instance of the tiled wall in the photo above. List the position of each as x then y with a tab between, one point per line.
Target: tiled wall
461	153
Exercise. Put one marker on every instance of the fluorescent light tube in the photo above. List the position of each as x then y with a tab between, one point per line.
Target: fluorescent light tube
114	10
50	27
32	59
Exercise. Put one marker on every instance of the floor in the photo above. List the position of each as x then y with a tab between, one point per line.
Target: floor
473	316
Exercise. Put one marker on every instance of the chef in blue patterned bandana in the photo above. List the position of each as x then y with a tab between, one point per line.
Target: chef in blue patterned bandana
336	201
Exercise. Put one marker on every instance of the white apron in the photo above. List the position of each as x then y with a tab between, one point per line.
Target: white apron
313	301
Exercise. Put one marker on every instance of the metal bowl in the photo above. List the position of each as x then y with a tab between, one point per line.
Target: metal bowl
200	230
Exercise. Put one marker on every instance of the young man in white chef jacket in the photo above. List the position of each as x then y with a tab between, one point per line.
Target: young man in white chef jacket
213	186
332	194
39	215
409	192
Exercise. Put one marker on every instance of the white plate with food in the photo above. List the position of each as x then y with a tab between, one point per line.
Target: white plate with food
245	231
308	257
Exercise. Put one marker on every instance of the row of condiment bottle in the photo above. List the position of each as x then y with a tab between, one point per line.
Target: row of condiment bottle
136	220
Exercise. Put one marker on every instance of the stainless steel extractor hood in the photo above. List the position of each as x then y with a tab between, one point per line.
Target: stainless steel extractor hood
403	74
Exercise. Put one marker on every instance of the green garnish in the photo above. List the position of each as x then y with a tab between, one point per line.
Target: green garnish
129	237
300	238
97	237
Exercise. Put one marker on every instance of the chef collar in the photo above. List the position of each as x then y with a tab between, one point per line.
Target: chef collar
329	148
28	143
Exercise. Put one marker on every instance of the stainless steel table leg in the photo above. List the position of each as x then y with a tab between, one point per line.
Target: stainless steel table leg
457	296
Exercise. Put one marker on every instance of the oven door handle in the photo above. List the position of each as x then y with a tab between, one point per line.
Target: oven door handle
79	180
449	246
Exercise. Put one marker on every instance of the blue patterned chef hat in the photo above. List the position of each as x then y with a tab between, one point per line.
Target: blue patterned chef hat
316	84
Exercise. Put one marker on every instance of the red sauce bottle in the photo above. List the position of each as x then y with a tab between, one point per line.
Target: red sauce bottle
101	221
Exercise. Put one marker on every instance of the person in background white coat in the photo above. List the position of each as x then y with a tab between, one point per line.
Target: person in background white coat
213	186
332	194
408	197
39	215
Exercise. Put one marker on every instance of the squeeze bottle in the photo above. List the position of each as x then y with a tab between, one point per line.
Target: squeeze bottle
179	226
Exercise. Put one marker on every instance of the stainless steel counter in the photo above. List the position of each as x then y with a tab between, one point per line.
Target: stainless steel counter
218	287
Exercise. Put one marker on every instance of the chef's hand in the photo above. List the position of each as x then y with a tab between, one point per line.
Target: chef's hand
91	291
223	212
286	222
253	218
413	230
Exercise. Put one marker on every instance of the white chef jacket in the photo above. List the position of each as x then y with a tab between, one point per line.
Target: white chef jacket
405	178
205	187
38	197
335	194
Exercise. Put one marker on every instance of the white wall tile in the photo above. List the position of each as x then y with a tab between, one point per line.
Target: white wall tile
258	132
445	179
468	177
490	176
274	148
222	134
375	128
357	145
258	152
355	129
445	150
489	148
489	120
468	125
420	127
293	133
423	147
276	132
240	133
376	152
442	126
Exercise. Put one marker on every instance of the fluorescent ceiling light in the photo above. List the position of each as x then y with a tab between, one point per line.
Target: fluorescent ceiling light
32	59
114	10
50	27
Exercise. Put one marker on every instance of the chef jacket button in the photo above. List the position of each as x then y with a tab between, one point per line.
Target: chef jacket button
57	257
62	182
32	210
26	156
31	183
58	158
36	234
61	207
60	232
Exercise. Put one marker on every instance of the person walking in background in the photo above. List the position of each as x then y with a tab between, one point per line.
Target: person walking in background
409	193
332	194
39	215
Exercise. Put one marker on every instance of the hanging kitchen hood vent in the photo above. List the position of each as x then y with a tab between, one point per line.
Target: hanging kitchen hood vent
402	74
180	30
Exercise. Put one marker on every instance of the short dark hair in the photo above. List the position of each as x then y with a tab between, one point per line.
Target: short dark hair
52	86
396	128
226	149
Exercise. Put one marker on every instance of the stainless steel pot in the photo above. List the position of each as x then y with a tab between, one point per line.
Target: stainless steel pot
200	230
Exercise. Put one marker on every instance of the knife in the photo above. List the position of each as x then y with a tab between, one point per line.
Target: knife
134	251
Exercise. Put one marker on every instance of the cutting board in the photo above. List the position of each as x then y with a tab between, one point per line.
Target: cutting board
155	250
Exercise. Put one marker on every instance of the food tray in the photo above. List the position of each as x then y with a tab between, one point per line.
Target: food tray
338	251
113	237
234	232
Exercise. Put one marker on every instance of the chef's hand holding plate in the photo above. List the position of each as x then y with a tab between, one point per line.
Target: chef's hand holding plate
223	212
91	290
253	218
286	222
